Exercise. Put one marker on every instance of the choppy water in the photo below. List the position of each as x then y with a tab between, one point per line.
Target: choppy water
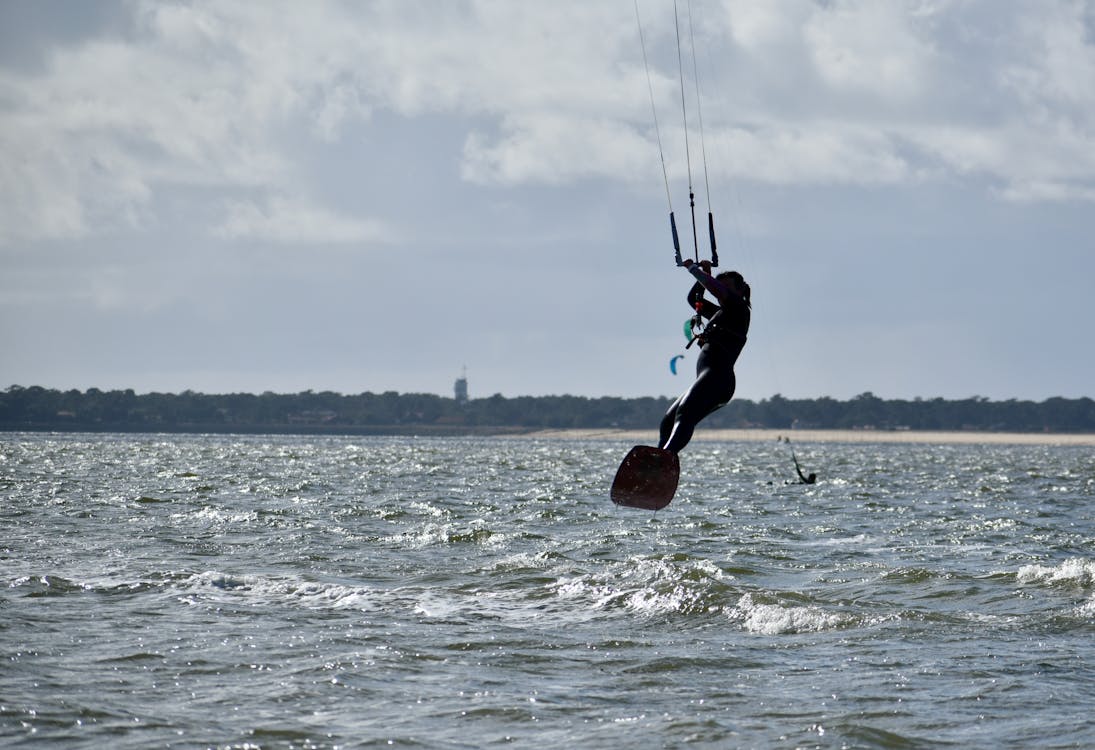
219	591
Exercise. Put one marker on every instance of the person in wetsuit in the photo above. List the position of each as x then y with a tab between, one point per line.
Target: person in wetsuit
811	479
720	344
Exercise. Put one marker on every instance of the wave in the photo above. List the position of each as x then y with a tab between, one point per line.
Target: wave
260	589
47	585
650	586
776	619
1075	572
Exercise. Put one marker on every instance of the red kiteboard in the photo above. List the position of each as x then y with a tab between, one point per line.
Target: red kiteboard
647	478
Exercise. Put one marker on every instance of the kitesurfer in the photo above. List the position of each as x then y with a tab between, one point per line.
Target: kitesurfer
721	342
811	479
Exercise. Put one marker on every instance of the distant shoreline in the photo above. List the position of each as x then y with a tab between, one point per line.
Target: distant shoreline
39	409
649	437
645	437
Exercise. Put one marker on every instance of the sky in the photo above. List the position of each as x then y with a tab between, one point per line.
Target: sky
383	195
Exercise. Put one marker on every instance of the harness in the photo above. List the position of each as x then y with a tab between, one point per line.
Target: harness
702	332
695	328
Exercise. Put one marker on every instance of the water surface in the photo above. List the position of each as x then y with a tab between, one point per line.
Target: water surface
298	592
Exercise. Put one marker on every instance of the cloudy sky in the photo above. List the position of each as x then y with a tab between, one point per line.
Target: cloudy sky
370	196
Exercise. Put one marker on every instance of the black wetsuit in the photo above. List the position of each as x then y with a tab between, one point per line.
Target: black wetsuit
722	341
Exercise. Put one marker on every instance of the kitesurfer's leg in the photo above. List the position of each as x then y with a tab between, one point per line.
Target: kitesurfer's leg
713	388
670	418
693	407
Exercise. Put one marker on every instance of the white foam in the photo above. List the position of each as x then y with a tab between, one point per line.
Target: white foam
651	602
256	589
212	515
1076	571
774	619
431	534
581	587
648	586
436	607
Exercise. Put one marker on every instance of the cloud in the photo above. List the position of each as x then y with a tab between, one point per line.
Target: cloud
823	153
285	220
877	50
228	97
952	89
557	149
198	97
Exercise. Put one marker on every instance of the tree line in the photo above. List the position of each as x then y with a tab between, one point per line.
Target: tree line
37	408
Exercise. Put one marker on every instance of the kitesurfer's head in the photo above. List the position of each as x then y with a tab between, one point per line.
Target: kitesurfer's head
736	282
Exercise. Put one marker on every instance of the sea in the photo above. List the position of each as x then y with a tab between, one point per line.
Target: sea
219	591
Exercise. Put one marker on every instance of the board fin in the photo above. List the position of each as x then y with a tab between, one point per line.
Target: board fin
647	478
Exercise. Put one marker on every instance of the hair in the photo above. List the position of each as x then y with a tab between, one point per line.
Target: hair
738	279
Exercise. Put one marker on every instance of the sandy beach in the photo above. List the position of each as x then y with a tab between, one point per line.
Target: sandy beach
649	437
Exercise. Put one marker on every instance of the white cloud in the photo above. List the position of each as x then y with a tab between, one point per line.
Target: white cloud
557	149
39	197
220	96
197	98
1058	70
1004	94
874	49
822	153
757	26
1047	192
340	103
284	220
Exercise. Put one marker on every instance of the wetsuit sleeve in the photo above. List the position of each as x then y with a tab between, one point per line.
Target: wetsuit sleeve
695	296
711	284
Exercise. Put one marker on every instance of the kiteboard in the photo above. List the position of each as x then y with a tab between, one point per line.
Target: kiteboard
647	478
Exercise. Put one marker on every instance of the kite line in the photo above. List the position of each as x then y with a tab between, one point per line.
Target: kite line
687	145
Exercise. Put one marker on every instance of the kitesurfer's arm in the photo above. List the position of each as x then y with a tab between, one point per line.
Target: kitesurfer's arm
696	301
804	479
722	293
695	294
